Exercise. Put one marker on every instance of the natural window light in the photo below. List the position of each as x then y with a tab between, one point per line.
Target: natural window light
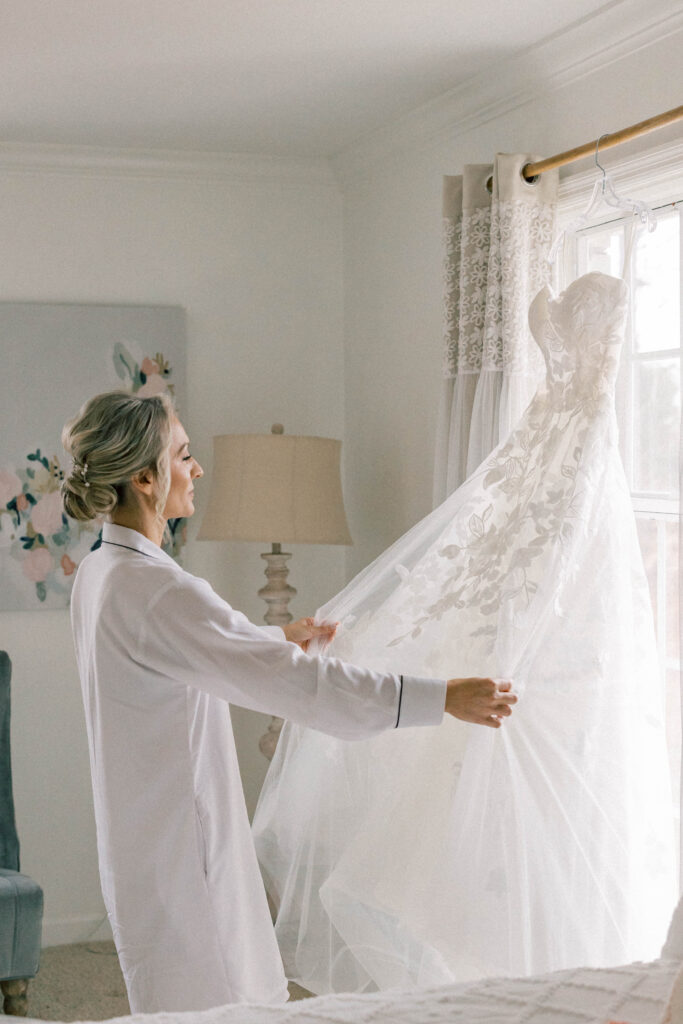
649	414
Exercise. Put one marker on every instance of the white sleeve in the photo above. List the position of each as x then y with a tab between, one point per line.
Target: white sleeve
274	632
190	635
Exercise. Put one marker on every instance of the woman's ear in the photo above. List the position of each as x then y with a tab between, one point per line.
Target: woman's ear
143	483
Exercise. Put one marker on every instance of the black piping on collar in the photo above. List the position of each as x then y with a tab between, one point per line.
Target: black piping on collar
114	544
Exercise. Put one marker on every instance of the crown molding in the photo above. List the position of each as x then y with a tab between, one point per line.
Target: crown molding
100	161
620	28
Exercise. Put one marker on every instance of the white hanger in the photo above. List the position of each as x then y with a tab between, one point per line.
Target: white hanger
605	192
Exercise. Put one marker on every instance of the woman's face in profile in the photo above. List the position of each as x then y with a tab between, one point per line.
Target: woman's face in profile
184	470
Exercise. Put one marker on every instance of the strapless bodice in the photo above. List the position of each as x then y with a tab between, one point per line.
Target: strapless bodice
580	332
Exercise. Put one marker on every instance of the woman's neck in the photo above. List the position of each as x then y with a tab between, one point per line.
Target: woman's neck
142	519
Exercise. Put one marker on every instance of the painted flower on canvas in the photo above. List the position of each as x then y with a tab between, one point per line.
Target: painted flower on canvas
34	529
149	376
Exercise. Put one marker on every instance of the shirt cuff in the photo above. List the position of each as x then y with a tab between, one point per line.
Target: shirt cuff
421	701
274	632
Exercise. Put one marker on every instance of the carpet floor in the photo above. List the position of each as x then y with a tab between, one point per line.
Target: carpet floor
84	982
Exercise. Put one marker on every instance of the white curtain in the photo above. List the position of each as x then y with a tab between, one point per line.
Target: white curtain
496	246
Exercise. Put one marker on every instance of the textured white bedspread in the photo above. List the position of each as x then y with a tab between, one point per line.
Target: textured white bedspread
636	993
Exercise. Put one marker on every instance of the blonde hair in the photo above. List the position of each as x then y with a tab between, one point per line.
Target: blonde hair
114	437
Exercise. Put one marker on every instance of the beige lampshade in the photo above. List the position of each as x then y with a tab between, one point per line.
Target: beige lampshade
276	488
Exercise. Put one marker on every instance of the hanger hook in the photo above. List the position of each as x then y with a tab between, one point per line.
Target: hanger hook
597	162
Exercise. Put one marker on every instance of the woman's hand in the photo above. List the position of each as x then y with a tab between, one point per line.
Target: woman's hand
303	631
482	701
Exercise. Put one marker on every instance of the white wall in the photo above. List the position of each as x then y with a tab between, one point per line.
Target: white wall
392	235
257	266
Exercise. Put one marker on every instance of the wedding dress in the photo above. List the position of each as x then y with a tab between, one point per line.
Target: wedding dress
448	854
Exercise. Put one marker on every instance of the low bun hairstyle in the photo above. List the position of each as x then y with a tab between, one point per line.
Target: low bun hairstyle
115	436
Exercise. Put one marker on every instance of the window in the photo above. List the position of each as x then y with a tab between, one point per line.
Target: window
649	407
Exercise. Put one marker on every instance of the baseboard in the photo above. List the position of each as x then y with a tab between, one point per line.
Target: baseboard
67	930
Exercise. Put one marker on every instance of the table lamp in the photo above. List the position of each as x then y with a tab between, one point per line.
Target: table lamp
277	488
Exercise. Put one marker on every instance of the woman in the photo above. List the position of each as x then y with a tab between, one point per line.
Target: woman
159	656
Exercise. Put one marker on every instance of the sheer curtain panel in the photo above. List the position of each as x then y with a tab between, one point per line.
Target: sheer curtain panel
497	234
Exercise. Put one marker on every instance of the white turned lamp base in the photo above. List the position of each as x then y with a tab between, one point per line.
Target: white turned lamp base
277	593
268	742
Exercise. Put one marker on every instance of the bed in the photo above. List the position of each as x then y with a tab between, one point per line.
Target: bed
639	993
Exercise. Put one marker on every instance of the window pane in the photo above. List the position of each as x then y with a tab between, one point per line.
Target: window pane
647	535
662	560
602	250
656	284
673	735
656	419
673	639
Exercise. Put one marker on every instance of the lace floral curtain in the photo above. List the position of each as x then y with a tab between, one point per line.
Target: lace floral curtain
496	246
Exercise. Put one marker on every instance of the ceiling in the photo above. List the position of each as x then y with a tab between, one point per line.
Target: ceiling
287	77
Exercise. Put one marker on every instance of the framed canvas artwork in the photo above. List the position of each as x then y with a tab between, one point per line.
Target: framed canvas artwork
54	357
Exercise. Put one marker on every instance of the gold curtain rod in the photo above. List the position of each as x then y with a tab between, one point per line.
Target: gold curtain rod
530	171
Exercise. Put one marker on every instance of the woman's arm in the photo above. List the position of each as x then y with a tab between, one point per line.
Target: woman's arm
191	636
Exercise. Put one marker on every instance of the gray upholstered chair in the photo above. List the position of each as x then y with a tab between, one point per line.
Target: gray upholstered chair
21	900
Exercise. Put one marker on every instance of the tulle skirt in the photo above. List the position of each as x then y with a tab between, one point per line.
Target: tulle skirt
429	856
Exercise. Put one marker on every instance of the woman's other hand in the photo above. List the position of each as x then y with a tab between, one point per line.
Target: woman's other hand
482	701
303	631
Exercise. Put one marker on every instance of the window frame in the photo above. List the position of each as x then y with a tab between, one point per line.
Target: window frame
654	176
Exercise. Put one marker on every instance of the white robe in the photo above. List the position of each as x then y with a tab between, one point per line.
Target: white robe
159	656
